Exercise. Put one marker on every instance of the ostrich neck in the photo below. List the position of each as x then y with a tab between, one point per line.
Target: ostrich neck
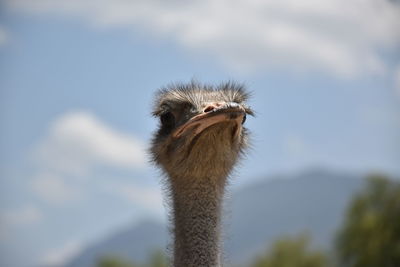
197	208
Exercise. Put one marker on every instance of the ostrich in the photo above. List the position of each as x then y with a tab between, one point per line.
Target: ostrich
199	140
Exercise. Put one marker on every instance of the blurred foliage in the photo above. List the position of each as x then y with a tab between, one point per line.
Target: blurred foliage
157	259
292	252
114	261
370	235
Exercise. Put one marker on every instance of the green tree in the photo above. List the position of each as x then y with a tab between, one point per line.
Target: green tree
114	261
158	259
370	235
292	252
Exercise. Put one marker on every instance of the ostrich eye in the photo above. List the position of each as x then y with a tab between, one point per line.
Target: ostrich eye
244	118
167	119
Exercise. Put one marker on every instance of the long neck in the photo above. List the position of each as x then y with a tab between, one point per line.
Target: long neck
197	208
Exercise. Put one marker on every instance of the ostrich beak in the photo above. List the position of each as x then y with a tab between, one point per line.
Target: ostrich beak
213	114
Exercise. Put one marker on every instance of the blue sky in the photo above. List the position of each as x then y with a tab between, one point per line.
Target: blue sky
77	80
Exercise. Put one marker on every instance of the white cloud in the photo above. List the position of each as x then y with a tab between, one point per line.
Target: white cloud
397	80
78	142
24	216
381	116
59	256
10	219
3	36
149	198
338	36
295	146
55	189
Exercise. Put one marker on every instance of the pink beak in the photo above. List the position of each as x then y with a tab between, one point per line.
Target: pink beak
214	113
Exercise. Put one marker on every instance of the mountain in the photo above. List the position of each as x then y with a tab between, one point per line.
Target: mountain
312	201
135	243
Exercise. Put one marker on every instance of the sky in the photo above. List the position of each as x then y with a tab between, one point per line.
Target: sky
77	79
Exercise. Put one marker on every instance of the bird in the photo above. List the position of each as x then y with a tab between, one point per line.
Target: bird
198	142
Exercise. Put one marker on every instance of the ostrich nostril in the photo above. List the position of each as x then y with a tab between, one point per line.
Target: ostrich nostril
209	109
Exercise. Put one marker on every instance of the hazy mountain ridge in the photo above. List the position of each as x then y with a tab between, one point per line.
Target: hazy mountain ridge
312	201
133	243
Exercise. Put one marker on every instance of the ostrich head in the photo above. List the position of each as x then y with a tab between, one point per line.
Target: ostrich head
201	129
199	140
